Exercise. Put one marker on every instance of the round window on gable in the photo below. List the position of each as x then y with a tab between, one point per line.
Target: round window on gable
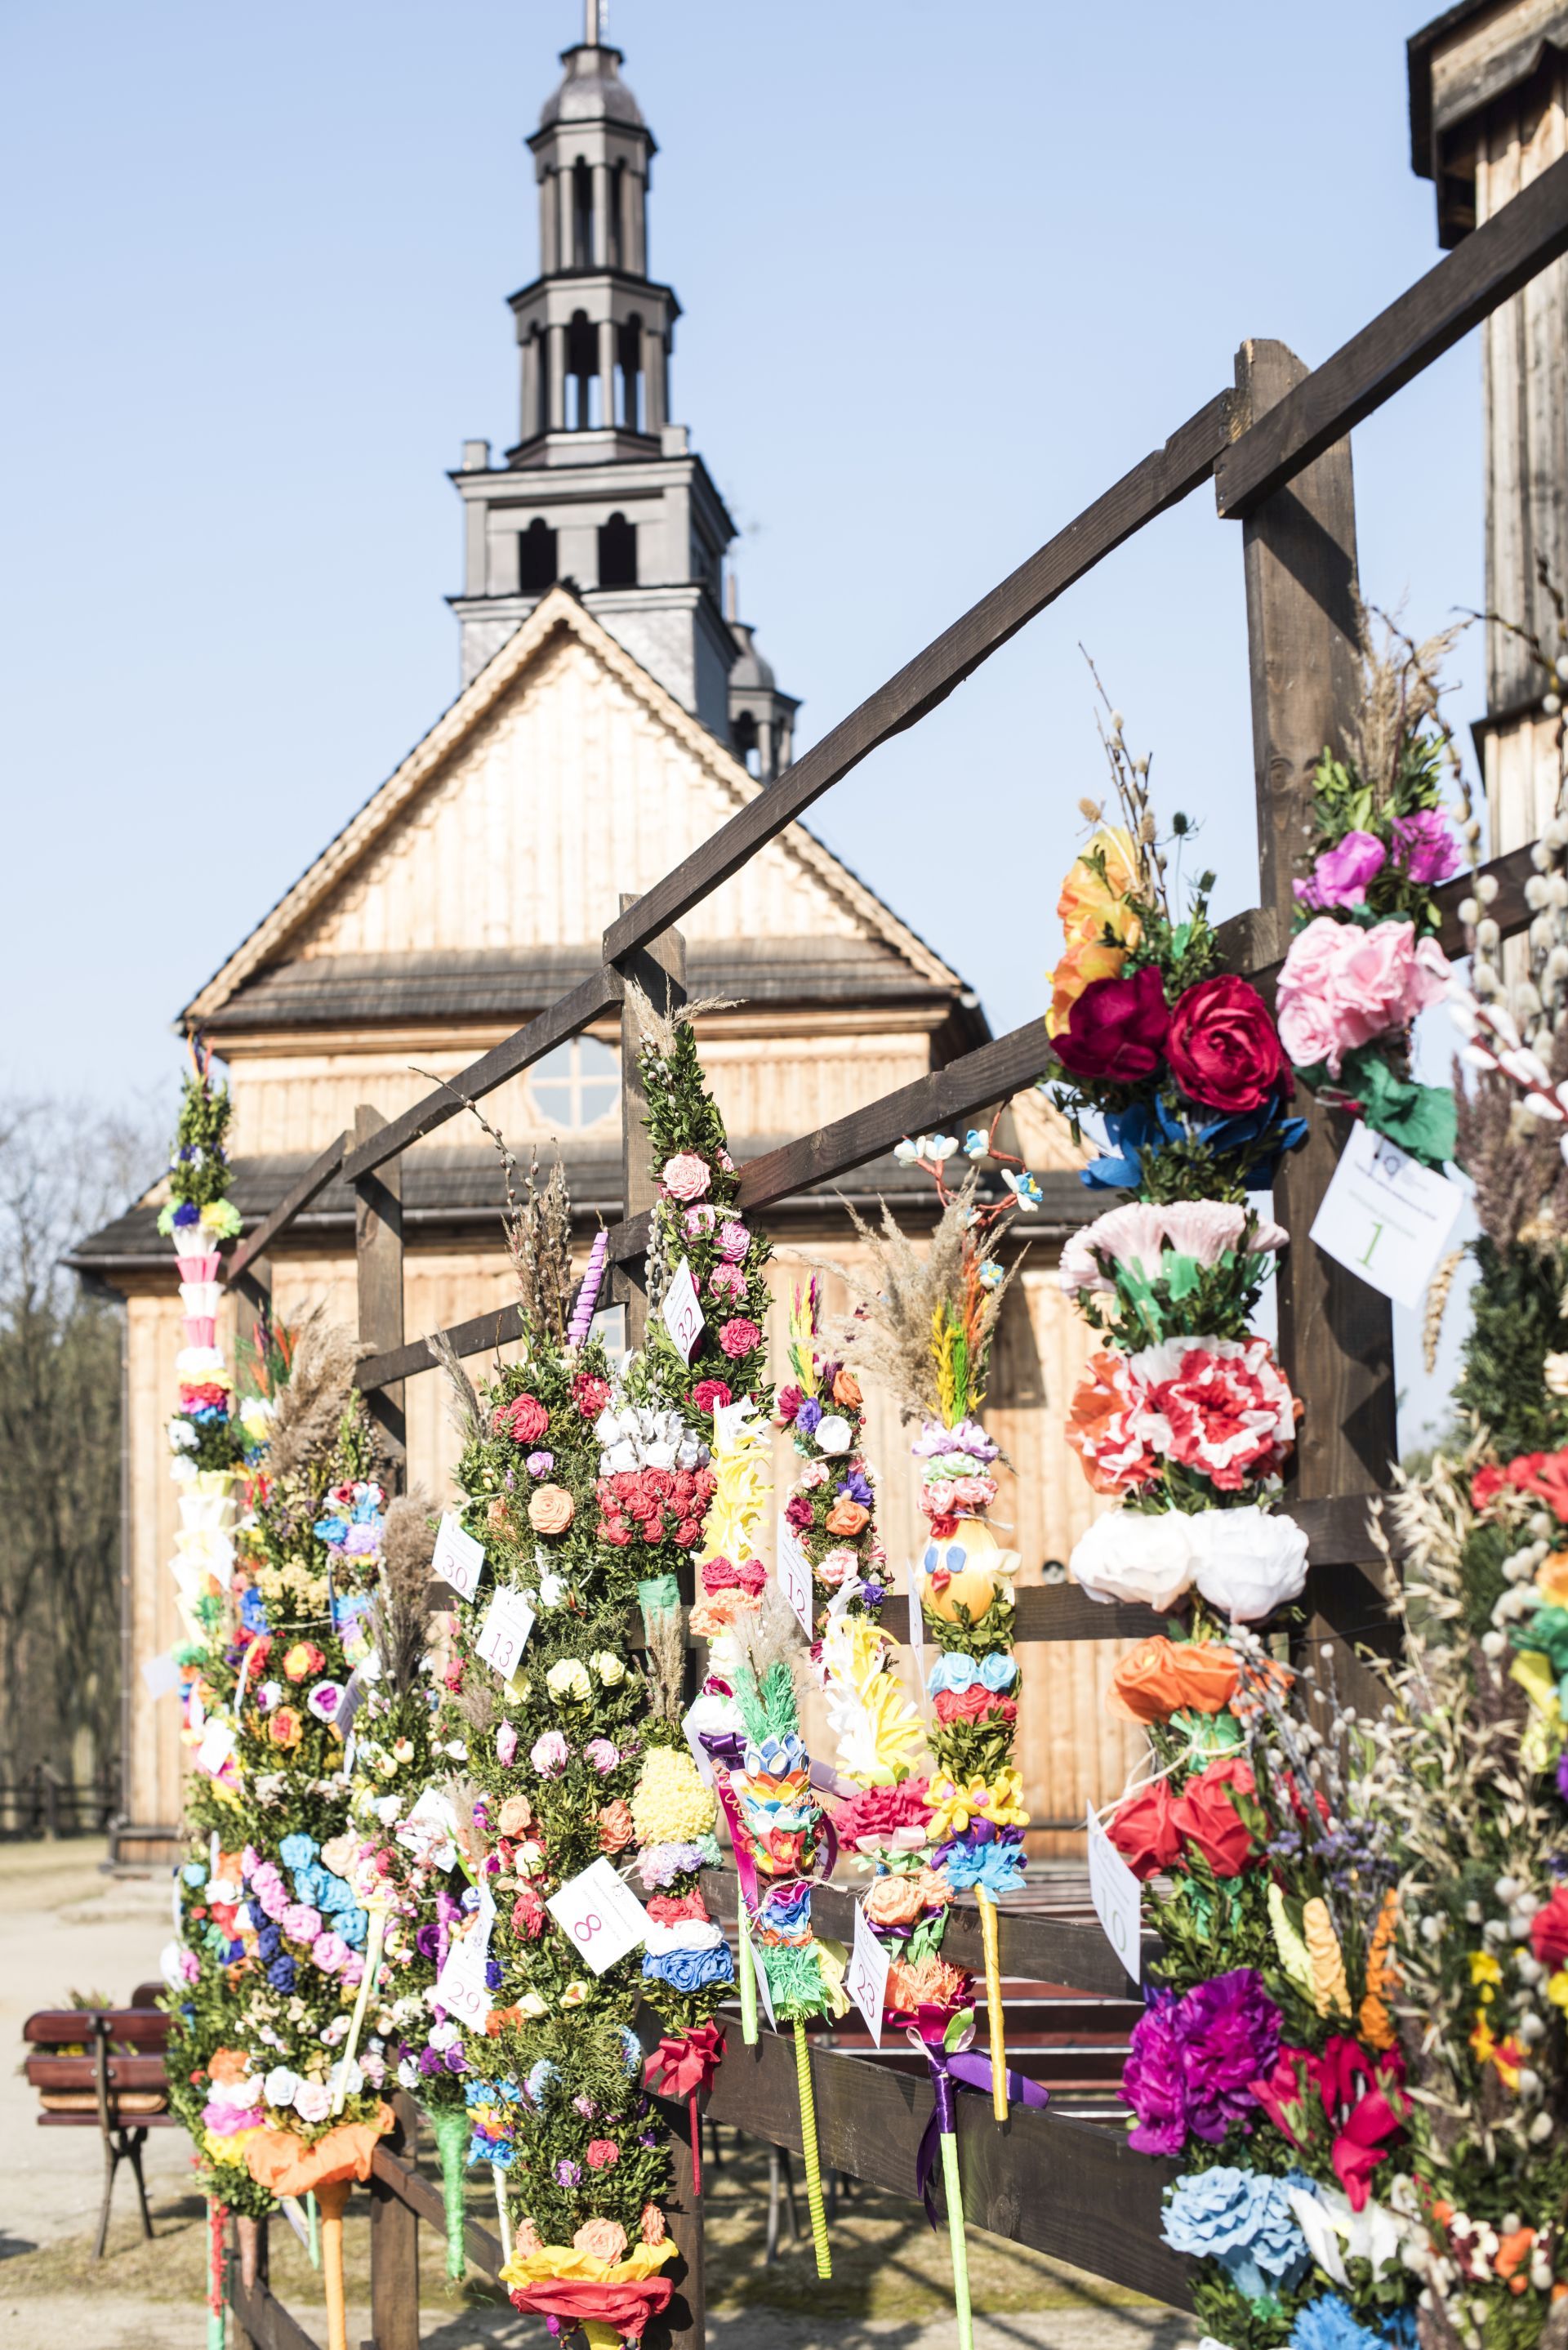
575	1087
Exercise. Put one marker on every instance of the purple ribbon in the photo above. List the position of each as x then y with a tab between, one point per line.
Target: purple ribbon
949	2075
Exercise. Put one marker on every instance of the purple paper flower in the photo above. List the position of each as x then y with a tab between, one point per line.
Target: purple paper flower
426	1941
807	1417
539	1464
1193	2057
1424	847
1340	875
568	2173
857	1485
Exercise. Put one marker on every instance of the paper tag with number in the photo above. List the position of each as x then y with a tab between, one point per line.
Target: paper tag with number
1117	1898
218	1742
866	1981
160	1675
795	1575
602	1916
460	1987
1385	1217
683	1314
508	1620
459	1558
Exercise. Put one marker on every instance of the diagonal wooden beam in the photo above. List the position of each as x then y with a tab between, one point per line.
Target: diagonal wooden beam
310	1185
1492	264
1162	480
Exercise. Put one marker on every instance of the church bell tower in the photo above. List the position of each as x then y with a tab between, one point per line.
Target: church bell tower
600	490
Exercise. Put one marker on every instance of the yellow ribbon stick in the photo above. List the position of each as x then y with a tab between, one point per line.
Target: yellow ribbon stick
991	1939
373	1934
813	2156
748	1980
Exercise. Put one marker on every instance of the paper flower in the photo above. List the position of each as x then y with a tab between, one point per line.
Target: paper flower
1146	1557
1249	1561
1193	2059
1342	985
1243	2222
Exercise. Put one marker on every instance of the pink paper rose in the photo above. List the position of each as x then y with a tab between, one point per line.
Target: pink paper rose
726	1281
549	1754
300	1922
328	1951
732	1242
739	1338
685	1175
312	2101
1340	875
1341	986
603	1754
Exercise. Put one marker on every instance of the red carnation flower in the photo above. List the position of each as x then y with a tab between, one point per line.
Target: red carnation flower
797	1512
1115	1029
1549	1930
789	1402
1223	1048
528	1914
710	1395
590	1395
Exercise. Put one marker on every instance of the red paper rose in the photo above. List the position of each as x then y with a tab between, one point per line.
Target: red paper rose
739	1338
1116	1029
1207	1820
524	1419
1486	1485
1549	1930
797	1512
1223	1048
974	1704
528	1914
789	1402
590	1395
709	1395
1143	1833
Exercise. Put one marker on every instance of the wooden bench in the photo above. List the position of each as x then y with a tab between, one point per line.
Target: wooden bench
103	2068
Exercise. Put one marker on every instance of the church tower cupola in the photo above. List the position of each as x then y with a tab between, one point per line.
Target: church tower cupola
600	491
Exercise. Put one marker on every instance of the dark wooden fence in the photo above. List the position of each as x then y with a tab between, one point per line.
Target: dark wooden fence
1274	444
43	1803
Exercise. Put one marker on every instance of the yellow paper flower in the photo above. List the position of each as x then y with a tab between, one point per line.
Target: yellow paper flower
1330	1992
1486	1972
567	1681
565	2264
875	1723
953	1807
742	1472
1557	1988
1091	904
1292	1951
670	1803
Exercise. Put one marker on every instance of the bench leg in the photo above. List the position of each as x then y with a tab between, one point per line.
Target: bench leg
136	2140
111	2154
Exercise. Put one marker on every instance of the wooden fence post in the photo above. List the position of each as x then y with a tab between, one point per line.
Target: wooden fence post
378	1259
1335	1334
660	970
395	2247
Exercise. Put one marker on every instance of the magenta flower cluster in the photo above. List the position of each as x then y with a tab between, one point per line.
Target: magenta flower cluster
1194	2059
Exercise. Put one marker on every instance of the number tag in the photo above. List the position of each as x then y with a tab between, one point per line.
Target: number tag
459	1558
218	1742
866	1981
1117	1898
683	1314
795	1575
508	1620
1386	1217
460	1987
600	1915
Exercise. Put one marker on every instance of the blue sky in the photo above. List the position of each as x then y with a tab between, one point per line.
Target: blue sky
947	271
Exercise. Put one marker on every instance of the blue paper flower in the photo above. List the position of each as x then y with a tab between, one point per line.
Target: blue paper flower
539	2079
252	1610
353	1925
1244	2222
269	1942
996	1865
195	1872
280	1974
1146	1125
690	1971
298	1851
1330	2323
332	1894
330	1530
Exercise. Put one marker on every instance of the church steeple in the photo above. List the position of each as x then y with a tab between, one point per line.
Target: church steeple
599	489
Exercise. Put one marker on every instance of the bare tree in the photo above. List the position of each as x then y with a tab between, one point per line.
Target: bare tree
63	1167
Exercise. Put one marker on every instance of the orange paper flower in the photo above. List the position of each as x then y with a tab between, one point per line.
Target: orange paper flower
930	1982
617	1828
846	1391
1079	965
551	1509
1382	1977
1164	1677
847	1517
285	1729
895	1901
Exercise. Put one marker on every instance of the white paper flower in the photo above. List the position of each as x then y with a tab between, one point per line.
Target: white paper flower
182	1437
552	1590
833	1434
1143	1556
1248	1561
905	1152
280	2085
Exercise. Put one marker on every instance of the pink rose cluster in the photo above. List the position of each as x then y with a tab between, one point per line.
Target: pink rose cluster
1342	986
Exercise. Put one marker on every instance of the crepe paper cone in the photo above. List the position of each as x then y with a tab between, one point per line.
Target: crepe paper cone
990	1941
201	1329
453	2132
333	2195
956	2238
312	2218
217	2220
498	2172
198	1268
748	1980
813	2157
374	1932
201	1300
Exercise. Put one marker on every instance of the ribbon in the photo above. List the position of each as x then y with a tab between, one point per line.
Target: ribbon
953	2068
682	2065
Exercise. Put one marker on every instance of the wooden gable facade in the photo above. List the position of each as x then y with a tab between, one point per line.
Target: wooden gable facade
467	893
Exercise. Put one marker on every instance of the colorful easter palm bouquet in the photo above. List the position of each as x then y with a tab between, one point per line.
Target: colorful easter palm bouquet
1267	2061
553	1735
1474	1766
1366	959
1182	1414
287	2102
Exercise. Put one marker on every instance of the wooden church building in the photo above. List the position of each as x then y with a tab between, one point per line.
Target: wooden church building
612	715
